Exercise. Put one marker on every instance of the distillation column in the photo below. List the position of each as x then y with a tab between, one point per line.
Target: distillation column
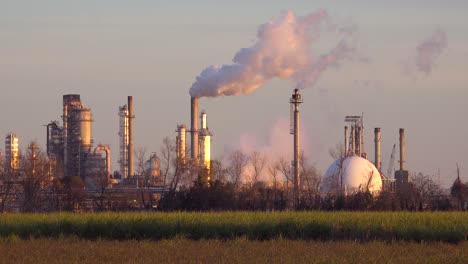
295	101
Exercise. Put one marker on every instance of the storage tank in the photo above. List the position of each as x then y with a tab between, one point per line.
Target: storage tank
85	127
351	174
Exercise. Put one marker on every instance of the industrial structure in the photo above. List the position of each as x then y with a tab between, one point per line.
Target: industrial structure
200	151
194	154
401	175
126	139
204	142
71	146
11	153
181	144
353	172
295	101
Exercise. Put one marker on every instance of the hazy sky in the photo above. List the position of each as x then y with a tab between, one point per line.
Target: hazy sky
153	50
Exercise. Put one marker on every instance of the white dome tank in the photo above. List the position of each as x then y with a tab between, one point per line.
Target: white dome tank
351	174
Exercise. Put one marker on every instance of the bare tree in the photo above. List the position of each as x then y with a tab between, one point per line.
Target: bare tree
6	191
140	156
258	162
310	180
237	162
36	172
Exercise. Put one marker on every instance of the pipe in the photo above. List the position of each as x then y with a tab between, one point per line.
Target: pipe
130	136
402	149
194	128
377	161
107	151
353	140
346	143
358	141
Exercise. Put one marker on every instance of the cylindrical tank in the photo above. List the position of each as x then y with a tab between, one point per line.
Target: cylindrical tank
85	127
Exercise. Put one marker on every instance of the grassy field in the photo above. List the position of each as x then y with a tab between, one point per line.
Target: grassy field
67	250
354	226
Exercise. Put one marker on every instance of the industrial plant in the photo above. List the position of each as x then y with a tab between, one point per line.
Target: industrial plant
71	146
72	154
353	172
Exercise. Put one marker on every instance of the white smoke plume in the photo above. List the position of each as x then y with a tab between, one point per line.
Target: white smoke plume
429	50
282	50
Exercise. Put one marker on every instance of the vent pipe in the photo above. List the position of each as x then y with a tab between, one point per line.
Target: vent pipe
131	151
377	161
194	128
402	149
346	143
353	140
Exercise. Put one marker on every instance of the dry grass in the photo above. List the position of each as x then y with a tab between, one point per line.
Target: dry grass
68	250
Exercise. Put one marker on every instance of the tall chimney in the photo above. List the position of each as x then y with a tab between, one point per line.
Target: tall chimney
346	143
377	162
130	137
194	128
402	149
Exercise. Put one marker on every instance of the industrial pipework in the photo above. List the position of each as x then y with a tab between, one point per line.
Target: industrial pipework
295	101
194	128
377	161
107	152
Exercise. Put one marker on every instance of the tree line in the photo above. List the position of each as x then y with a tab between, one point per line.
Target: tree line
239	181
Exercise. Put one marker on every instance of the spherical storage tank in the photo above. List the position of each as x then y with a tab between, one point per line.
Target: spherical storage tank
351	174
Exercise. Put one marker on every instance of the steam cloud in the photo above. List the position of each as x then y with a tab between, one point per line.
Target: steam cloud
429	50
282	50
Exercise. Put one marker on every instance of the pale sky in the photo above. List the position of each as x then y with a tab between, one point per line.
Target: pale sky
105	50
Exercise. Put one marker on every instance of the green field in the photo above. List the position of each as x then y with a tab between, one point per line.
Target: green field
232	251
324	226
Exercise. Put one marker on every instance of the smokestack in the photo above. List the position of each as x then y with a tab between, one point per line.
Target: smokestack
402	149
194	127
377	162
130	136
295	101
346	143
353	140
